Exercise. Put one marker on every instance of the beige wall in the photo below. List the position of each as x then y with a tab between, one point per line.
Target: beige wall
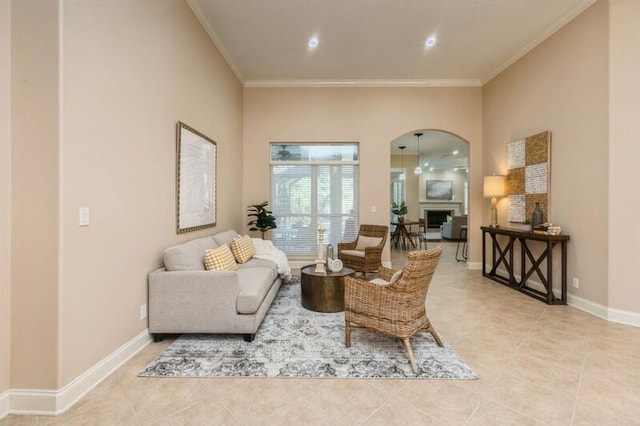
624	152
131	71
5	192
35	235
371	116
562	86
104	139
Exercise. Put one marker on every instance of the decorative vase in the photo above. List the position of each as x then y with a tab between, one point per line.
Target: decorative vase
536	218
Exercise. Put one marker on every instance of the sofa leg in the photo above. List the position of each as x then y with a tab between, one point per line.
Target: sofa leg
157	337
248	337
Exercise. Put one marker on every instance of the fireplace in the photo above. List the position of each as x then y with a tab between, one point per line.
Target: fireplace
435	218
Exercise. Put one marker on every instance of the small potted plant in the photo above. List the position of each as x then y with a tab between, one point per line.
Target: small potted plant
263	219
399	210
527	225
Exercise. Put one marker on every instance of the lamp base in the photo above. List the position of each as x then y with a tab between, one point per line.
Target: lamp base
320	266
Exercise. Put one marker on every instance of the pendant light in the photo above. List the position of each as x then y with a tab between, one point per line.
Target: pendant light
402	176
418	169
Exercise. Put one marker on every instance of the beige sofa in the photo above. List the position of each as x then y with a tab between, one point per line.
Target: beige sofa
186	298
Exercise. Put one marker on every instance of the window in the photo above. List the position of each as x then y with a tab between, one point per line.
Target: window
313	184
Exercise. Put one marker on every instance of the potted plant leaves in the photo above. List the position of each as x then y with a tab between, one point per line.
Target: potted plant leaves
263	219
399	210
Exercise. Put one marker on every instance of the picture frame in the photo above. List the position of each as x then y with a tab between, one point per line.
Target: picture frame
196	164
439	189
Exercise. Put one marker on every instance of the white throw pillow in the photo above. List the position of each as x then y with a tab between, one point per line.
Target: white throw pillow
364	242
396	276
378	281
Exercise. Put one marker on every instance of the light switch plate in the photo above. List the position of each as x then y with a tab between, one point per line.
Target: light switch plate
84	216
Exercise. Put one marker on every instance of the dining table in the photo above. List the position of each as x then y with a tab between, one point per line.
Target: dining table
402	233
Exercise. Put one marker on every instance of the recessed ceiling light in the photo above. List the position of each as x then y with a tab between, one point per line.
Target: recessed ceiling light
455	152
426	164
313	43
431	169
431	41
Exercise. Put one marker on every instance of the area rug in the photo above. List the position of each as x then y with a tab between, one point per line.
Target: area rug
295	342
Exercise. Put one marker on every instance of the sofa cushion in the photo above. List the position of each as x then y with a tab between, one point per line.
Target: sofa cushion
188	256
261	263
220	259
242	249
253	285
357	253
225	237
364	242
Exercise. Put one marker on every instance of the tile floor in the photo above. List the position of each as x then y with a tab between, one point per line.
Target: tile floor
537	364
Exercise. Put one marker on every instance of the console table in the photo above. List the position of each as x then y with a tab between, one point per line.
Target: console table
503	242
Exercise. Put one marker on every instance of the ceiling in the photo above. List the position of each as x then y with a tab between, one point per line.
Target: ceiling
382	43
378	42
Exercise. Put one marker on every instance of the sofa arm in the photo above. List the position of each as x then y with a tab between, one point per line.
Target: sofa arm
191	301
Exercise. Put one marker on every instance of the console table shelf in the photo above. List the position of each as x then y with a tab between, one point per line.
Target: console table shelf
502	254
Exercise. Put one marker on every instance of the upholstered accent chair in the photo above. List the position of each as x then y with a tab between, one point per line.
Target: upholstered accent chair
365	253
394	303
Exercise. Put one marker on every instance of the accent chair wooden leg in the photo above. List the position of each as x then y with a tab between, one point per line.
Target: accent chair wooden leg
412	360
347	334
434	333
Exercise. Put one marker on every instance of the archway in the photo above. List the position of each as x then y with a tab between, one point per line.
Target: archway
440	191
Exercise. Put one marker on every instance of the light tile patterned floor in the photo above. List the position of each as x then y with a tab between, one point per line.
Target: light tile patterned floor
537	364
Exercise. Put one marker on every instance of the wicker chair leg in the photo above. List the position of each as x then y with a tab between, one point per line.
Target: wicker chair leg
434	333
412	360
347	334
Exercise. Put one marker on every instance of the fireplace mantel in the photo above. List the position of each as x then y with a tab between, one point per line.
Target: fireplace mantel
440	205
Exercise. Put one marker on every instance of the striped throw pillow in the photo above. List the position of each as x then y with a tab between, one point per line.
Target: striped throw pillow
220	259
242	249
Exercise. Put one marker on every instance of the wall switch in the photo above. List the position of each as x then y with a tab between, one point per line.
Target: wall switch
84	216
374	209
575	283
143	311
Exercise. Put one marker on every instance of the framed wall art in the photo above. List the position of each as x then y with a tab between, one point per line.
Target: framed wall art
528	176
196	157
439	189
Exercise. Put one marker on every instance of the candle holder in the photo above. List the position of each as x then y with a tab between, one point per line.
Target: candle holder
320	261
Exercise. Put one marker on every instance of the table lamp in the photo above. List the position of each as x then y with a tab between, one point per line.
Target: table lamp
493	187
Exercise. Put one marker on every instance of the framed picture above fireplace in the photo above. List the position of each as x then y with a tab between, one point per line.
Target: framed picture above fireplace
439	189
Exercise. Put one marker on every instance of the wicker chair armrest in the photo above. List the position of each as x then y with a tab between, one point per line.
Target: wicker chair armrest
347	246
373	251
358	286
363	296
386	273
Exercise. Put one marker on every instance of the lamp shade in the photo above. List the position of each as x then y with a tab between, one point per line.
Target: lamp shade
493	186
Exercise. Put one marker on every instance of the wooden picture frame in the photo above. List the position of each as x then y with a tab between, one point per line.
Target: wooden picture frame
196	161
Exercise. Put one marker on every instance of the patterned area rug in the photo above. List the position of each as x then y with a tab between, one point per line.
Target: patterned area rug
295	342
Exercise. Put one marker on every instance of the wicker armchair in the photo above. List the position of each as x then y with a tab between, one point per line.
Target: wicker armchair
397	308
360	255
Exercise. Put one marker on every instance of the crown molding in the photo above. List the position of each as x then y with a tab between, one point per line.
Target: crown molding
564	20
364	83
199	14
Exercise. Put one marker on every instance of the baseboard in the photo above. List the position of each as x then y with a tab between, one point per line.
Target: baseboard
588	306
610	314
624	317
4	404
51	402
474	265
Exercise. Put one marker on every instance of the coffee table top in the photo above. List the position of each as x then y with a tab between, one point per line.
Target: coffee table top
311	270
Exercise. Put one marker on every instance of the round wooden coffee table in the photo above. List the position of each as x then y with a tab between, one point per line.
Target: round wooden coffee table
323	292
